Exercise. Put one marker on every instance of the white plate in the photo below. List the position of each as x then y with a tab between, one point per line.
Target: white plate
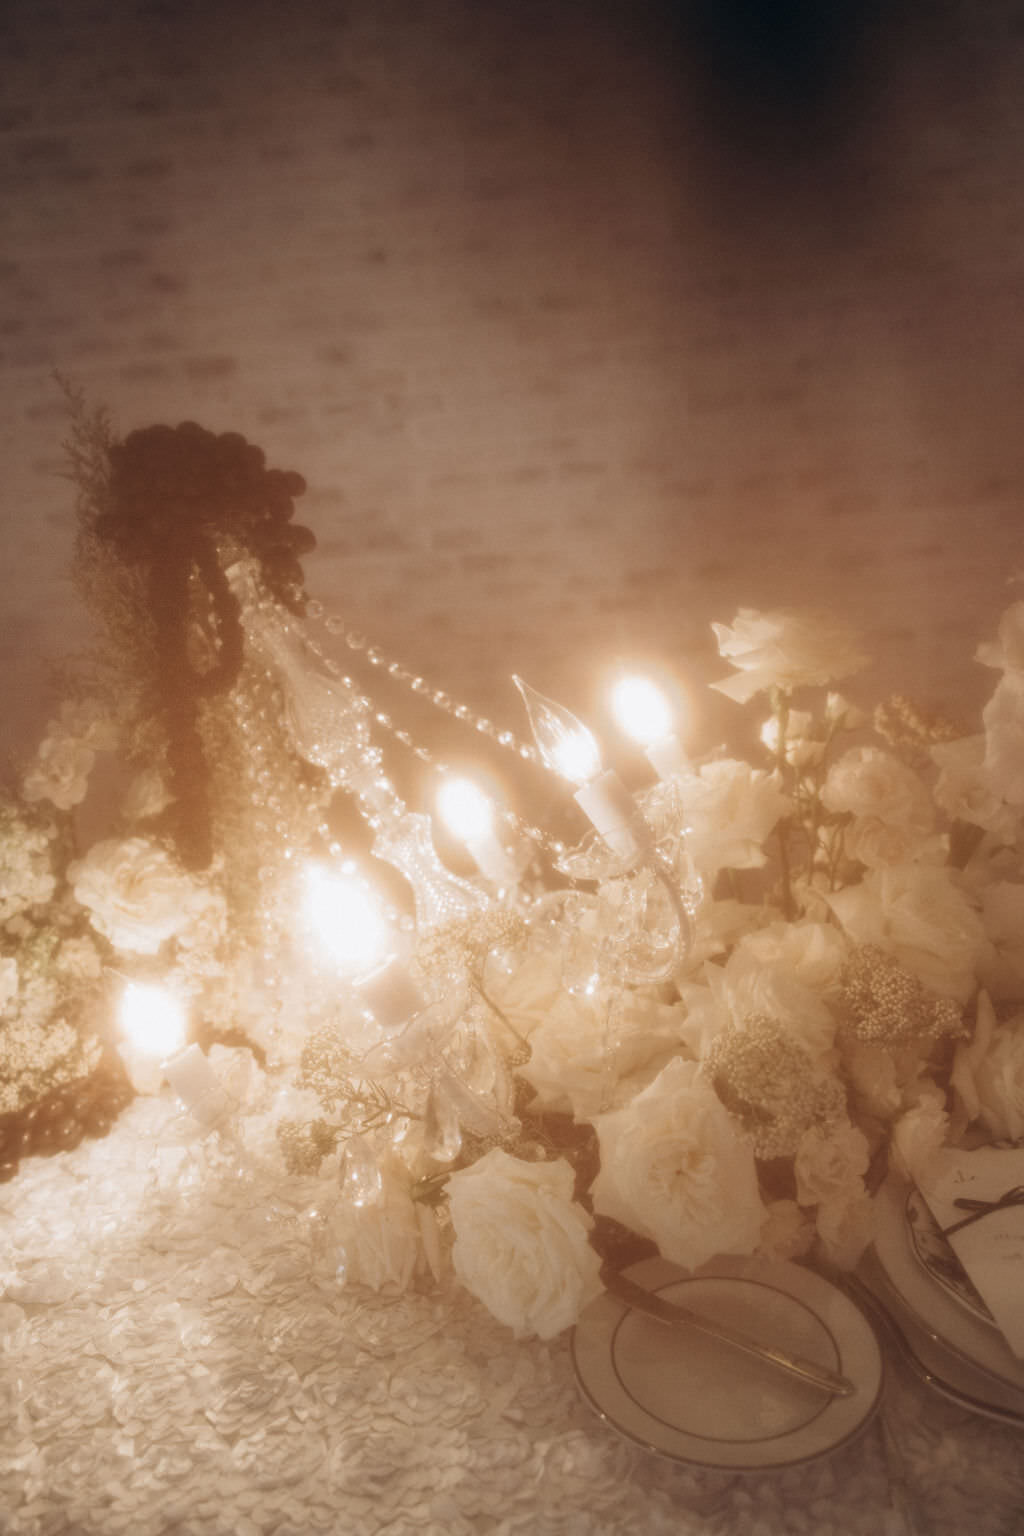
695	1399
979	1343
931	1249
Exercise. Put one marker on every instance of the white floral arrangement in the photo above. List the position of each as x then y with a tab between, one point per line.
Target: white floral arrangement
848	999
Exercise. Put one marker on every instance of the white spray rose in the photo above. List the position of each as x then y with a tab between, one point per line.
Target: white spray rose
785	649
521	1242
583	1050
676	1168
60	772
134	892
988	1073
964	789
731	809
920	916
831	1164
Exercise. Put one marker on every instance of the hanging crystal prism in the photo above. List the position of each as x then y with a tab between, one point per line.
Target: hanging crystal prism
440	896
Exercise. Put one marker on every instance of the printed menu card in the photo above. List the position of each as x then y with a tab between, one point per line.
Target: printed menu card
977	1198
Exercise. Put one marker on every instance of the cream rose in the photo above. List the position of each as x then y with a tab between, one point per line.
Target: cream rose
830	1164
134	893
582	1051
920	916
731	809
521	1242
785	649
60	772
676	1168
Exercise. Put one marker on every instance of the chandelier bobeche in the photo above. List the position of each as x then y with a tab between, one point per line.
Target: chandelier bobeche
707	1028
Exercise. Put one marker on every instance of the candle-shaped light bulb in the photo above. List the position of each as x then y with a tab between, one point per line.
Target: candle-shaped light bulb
154	1025
569	749
563	741
645	715
469	816
343	915
152	1020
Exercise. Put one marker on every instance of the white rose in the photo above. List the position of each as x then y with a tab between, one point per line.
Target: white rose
60	772
788	971
893	815
785	649
134	893
988	1073
582	1051
830	1164
918	1135
675	1168
1006	652
917	914
521	1242
731	809
964	790
845	1228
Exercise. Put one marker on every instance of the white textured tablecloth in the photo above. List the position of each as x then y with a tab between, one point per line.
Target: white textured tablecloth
179	1357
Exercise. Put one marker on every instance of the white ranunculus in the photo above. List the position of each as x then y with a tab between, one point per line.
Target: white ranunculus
731	808
582	1051
60	772
964	789
830	1163
785	649
521	1242
988	1073
676	1168
134	892
919	915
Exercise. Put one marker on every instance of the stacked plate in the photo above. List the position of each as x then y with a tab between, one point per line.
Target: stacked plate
943	1327
695	1398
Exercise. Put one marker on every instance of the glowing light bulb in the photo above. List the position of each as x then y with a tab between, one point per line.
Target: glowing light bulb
641	710
645	715
569	749
469	815
563	741
153	1022
342	913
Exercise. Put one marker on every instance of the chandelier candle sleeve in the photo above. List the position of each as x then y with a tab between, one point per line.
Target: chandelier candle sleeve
645	715
469	815
346	919
153	1023
570	750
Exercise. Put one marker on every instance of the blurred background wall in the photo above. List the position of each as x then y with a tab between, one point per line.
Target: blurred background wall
587	323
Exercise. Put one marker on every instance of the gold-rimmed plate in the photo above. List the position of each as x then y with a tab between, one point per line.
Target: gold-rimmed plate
694	1398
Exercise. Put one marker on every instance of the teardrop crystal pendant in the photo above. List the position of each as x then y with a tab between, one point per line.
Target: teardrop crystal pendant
567	747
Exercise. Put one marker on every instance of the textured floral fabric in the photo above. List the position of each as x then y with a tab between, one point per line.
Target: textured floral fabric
178	1356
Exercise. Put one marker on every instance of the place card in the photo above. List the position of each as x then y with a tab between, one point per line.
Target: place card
977	1198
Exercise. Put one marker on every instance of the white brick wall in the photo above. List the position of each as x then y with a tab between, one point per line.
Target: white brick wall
571	368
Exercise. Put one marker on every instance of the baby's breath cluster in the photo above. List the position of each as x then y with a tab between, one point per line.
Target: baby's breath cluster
768	1081
883	1004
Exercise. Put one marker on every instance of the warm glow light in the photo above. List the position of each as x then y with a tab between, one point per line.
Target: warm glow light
465	809
642	710
563	741
152	1020
343	914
